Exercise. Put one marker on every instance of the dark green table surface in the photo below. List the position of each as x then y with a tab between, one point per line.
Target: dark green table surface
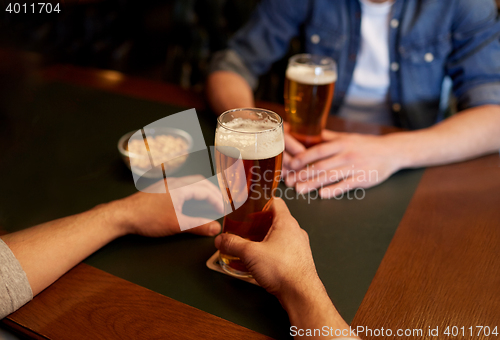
58	157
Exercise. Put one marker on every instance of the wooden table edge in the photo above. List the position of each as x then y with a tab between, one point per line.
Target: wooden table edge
21	330
147	307
421	268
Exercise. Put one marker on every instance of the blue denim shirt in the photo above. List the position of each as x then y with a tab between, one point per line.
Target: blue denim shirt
429	40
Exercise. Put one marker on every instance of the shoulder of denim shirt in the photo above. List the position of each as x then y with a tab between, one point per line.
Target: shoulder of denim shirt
476	31
478	13
265	37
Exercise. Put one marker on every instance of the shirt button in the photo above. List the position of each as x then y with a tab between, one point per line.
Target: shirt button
396	107
394	23
315	38
428	57
394	66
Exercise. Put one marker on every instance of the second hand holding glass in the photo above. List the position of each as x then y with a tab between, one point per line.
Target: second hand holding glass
248	186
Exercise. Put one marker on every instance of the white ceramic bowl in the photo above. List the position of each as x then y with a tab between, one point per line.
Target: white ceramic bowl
171	166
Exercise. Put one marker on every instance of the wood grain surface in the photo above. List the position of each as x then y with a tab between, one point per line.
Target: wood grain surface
442	267
88	303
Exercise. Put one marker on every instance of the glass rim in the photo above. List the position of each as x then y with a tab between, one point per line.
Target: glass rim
255	109
331	62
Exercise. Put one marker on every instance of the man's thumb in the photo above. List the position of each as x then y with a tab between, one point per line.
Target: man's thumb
232	245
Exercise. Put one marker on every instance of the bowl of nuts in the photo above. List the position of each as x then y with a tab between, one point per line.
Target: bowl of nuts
153	152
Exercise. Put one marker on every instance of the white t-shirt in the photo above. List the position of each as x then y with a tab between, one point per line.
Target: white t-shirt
367	96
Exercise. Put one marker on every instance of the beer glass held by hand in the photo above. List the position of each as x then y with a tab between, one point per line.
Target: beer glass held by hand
255	135
309	85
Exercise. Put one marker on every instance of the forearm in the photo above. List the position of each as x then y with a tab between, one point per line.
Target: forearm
310	308
228	90
48	250
468	134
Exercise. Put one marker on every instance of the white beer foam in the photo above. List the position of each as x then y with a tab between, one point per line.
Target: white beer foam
310	75
257	145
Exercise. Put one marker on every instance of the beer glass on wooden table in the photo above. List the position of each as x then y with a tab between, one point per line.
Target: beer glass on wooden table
256	137
309	85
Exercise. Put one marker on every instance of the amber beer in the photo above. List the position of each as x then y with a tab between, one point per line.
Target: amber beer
309	86
248	186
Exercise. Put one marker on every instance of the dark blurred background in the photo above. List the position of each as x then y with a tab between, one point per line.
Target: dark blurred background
167	40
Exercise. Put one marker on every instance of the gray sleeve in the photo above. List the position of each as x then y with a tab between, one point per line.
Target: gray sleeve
229	60
15	289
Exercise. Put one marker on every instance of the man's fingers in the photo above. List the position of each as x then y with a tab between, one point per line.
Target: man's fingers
279	207
280	212
284	172
282	219
315	170
314	154
328	135
325	177
232	245
293	146
286	158
213	195
204	191
285	168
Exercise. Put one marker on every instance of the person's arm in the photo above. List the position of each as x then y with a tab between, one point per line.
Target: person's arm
251	51
283	264
466	135
47	251
228	90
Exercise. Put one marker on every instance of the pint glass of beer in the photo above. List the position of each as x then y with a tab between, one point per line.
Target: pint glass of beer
253	140
309	85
